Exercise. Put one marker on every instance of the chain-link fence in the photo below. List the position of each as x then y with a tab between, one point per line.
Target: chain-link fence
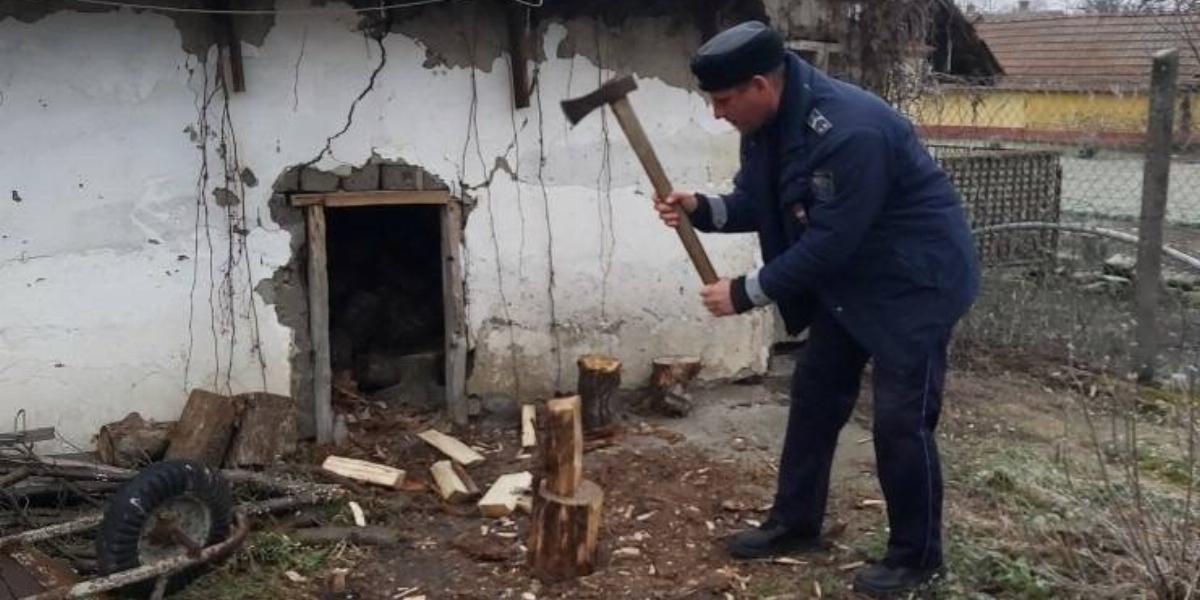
1068	157
1099	136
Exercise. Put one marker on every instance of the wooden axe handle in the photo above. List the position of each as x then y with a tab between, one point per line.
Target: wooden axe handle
645	153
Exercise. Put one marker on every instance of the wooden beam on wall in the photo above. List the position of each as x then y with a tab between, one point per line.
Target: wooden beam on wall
380	198
518	44
455	313
225	33
318	308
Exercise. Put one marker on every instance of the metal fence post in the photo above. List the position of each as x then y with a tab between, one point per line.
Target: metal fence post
1154	201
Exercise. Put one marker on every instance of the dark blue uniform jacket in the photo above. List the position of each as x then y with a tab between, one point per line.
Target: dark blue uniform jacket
852	212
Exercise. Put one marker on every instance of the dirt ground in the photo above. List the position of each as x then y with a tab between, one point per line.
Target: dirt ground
674	489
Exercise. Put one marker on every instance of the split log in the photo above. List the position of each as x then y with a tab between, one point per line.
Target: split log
565	533
528	426
599	378
563	451
565	530
452	447
669	381
501	499
204	430
132	442
267	431
452	482
367	472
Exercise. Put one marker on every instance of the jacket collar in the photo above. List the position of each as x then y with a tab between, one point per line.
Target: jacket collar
796	103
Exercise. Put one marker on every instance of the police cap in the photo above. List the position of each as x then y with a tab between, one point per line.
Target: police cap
736	55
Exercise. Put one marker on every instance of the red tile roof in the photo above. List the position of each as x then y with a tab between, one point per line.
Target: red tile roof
1089	51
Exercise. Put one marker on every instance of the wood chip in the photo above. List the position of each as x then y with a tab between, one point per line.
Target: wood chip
645	516
295	577
360	517
851	566
787	560
626	553
528	429
870	503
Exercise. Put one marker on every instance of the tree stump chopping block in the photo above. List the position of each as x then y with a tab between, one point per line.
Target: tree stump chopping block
565	533
599	378
669	379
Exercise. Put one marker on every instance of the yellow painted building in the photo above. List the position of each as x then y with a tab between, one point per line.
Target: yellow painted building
1108	118
1067	78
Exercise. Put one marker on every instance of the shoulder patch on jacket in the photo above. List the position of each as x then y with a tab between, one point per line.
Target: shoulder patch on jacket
818	122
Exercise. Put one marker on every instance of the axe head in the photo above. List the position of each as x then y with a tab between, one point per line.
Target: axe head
614	89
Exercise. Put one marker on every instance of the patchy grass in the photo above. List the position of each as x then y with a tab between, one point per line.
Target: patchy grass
257	570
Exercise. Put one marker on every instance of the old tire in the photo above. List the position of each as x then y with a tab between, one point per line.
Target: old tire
195	497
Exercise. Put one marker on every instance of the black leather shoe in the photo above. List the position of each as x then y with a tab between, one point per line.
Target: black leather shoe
880	580
771	539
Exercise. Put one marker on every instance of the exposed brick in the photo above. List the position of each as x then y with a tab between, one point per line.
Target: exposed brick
399	177
362	180
312	180
289	181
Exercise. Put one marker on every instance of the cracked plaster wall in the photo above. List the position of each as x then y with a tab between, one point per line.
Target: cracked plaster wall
97	258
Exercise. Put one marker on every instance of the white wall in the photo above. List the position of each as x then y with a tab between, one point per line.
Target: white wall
95	319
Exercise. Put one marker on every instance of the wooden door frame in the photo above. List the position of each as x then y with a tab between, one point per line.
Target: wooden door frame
453	302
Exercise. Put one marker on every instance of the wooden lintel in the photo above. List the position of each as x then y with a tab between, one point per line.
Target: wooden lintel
380	198
517	43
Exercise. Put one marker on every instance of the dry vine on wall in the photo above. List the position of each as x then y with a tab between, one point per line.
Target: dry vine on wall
220	207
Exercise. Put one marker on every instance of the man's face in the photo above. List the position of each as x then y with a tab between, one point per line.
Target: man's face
746	106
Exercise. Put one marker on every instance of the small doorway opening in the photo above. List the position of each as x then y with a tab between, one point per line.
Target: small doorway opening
386	312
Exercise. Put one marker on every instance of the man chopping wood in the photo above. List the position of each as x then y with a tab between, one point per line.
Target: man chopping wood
866	245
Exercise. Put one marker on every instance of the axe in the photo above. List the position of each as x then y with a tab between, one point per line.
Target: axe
613	93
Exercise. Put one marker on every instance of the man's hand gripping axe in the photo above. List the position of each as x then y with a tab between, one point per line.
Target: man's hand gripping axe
613	93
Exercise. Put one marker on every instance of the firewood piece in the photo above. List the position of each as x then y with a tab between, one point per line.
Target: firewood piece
267	432
367	472
132	442
599	378
528	426
563	450
365	536
501	499
452	482
452	447
204	430
669	379
565	532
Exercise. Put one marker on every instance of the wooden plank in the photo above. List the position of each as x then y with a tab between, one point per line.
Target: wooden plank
502	498
367	472
373	198
528	425
563	448
318	308
29	436
267	432
204	429
452	482
452	447
455	317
